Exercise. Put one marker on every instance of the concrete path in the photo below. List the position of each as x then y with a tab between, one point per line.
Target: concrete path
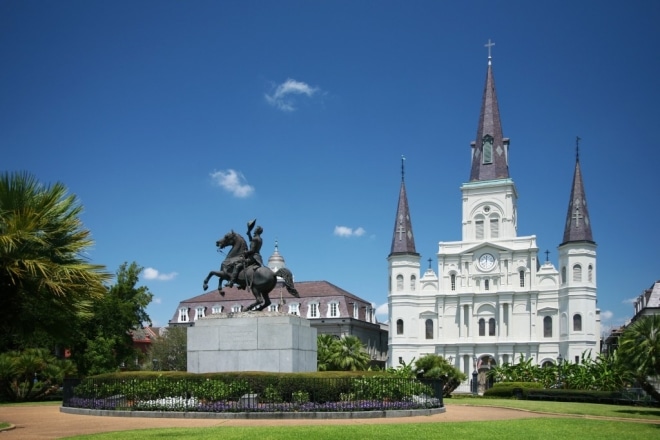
47	422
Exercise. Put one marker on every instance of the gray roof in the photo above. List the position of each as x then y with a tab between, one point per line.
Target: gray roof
403	240
578	222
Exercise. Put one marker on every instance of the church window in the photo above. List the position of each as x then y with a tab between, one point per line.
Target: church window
486	284
429	329
522	278
413	282
577	322
491	327
563	275
547	327
294	309
183	314
479	229
399	283
577	273
399	326
482	327
494	227
487	144
313	311
333	310
590	273
199	313
452	277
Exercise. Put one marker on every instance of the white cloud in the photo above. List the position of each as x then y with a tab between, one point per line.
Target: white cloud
283	94
152	274
345	231
157	300
233	182
629	300
606	315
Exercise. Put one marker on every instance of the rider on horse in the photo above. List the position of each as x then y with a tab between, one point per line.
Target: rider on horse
251	257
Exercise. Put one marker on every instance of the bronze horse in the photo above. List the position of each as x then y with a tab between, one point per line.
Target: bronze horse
259	280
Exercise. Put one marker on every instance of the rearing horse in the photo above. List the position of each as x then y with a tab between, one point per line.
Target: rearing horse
259	280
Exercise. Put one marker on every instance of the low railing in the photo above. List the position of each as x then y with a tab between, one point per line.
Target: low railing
253	394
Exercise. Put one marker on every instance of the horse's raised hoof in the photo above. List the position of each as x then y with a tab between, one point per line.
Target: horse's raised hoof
222	292
206	286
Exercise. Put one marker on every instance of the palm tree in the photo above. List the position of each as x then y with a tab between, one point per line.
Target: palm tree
349	355
325	345
639	349
45	282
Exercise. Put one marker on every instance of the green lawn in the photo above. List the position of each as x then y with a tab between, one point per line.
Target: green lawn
541	428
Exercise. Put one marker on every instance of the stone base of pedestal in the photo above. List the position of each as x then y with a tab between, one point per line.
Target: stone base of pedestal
252	341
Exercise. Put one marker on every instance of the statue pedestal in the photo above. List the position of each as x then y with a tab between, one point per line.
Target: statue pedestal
252	341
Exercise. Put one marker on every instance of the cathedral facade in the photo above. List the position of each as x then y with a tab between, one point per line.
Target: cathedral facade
491	300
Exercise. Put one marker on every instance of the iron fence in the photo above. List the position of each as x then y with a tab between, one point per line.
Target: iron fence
253	394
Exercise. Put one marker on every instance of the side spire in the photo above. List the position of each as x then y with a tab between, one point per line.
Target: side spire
490	150
403	240
578	222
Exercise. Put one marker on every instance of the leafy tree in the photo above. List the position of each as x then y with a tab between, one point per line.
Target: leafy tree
432	366
169	351
639	350
45	282
32	374
105	341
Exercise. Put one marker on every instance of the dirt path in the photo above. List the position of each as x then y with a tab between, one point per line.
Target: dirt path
47	422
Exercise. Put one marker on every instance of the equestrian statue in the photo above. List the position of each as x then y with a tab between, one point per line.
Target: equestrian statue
244	268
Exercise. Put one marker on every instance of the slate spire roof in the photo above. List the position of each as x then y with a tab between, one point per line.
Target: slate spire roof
403	240
490	150
578	222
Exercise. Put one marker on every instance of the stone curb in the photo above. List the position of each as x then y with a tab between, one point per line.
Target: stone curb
257	416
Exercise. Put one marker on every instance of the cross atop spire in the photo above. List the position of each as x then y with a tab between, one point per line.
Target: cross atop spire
489	45
403	159
577	148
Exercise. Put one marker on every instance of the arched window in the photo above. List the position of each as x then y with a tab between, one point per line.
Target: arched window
577	322
486	284
482	327
522	278
590	273
429	328
452	277
399	283
491	327
547	327
563	275
494	227
399	326
413	282
487	144
577	273
479	228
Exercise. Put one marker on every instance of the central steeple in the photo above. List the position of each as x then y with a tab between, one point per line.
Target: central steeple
490	150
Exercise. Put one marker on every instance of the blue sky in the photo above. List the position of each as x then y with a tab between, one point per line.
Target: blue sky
174	122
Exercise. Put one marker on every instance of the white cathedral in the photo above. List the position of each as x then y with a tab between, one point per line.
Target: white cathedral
492	300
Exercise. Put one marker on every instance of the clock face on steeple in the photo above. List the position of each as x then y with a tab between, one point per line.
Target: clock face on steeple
486	261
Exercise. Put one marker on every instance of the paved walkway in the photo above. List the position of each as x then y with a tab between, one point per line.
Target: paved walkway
47	422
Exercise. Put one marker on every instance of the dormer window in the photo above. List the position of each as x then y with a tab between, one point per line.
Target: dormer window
183	314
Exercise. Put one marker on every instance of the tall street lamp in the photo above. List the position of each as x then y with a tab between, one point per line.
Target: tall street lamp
559	359
474	378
